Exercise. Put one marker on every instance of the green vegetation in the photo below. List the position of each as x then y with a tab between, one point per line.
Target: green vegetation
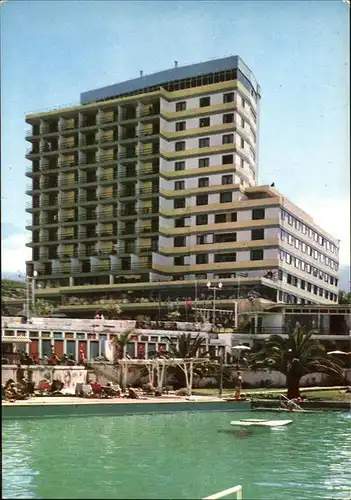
296	356
12	289
120	342
344	298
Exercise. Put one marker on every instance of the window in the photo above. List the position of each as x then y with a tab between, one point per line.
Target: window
243	102
242	163
309	287
297	224
226	197
201	219
228	97
178	185
220	218
200	240
280	275
297	243
290	239
180	241
242	143
256	254
179	261
303	266
288	258
225	238
205	101
181	106
227	179
243	123
258	213
304	229
297	262
179	203
204	142
228	139
228	118
204	162
203	182
179	222
315	254
180	126
202	258
234	216
225	257
227	159
179	165
202	199
289	279
290	220
204	122
180	146
257	234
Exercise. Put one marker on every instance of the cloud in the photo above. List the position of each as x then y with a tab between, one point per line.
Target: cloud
333	215
14	253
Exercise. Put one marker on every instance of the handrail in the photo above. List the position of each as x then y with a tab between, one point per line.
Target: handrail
225	493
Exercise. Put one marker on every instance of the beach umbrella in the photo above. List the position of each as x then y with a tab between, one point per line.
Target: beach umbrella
241	348
338	352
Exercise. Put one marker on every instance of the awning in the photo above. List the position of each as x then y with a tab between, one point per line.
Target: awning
15	340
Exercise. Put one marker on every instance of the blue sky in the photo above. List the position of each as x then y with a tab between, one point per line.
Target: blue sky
298	51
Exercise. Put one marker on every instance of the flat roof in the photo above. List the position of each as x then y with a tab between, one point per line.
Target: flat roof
169	75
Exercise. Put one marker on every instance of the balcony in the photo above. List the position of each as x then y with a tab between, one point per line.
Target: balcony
155	150
127	115
108	140
127	193
67	146
87	122
128	213
65	202
67	163
127	155
127	173
128	136
108	119
91	142
146	132
69	125
106	216
149	111
149	171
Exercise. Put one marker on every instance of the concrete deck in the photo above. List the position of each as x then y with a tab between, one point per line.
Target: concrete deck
38	407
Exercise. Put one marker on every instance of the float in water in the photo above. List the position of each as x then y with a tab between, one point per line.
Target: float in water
256	422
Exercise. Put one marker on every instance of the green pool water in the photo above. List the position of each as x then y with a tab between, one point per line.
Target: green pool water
180	455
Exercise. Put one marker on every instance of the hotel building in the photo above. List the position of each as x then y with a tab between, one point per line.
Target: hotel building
147	190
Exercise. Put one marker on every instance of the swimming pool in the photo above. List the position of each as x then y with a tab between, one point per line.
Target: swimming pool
181	455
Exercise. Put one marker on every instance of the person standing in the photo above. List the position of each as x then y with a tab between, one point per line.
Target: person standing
238	385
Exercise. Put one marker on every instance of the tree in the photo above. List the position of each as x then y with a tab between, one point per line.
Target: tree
295	356
113	311
43	307
120	341
186	347
344	297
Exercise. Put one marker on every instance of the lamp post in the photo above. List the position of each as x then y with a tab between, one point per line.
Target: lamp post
215	288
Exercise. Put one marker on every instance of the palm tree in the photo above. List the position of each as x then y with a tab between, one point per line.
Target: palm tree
185	347
120	341
295	356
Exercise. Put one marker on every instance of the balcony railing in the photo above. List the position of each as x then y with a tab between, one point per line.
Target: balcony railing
127	155
106	139
69	126
108	119
149	111
88	142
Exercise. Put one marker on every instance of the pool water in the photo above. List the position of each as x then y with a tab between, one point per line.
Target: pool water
180	455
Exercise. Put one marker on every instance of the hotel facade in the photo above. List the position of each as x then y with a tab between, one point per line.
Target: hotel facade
147	190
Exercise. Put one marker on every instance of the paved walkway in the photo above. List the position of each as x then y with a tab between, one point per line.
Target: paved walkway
72	400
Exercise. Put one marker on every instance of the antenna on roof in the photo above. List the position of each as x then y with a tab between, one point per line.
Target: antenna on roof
176	64
141	73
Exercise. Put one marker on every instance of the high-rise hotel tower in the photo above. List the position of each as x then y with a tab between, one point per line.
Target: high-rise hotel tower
149	187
